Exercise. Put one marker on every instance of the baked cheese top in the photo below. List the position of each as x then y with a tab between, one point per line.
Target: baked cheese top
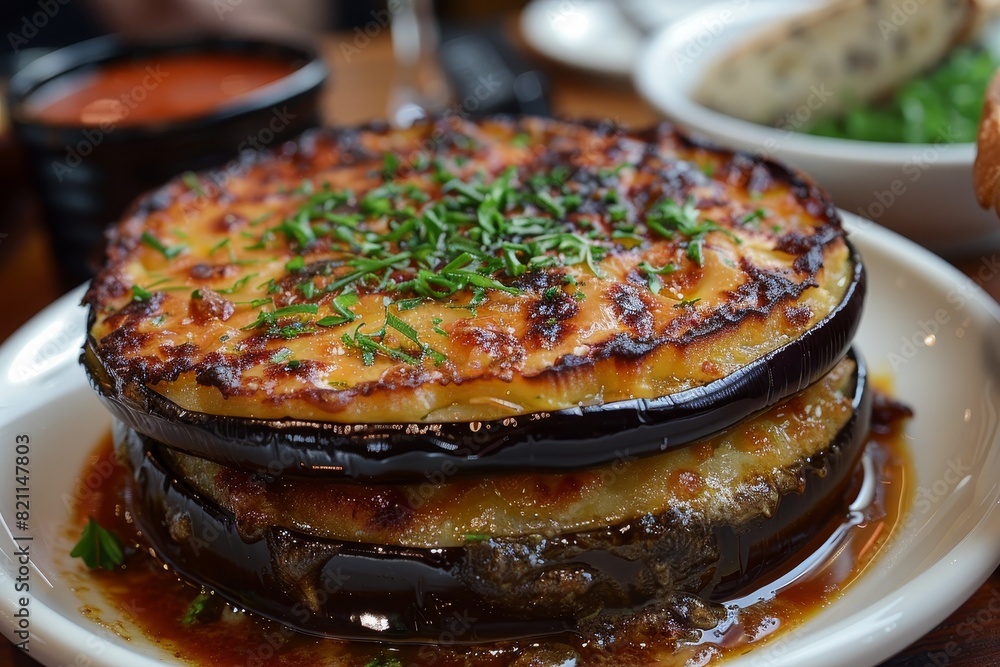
459	271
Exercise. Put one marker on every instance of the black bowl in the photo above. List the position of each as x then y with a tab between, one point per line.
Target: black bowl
88	176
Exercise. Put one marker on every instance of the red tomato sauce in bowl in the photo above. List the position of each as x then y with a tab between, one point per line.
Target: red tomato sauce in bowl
171	87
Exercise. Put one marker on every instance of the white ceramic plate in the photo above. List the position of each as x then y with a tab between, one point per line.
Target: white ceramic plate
923	191
931	326
591	35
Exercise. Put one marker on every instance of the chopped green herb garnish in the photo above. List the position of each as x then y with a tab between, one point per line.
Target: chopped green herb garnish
342	304
191	181
753	218
476	537
383	662
98	547
281	355
409	304
296	263
297	308
370	347
375	205
261	218
307	289
299	229
201	609
390	166
394	322
238	285
140	294
668	218
156	244
218	246
437	328
687	303
269	319
653	275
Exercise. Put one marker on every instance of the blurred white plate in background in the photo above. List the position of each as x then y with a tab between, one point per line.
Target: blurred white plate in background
591	35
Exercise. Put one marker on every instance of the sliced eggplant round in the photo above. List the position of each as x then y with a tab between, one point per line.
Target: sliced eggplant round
611	292
513	586
574	438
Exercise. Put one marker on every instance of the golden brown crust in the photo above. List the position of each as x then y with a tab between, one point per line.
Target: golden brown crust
194	299
986	172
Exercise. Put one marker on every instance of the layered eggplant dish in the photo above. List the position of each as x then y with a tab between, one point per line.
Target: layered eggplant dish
552	377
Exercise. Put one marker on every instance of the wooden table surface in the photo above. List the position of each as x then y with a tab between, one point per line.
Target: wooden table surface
359	91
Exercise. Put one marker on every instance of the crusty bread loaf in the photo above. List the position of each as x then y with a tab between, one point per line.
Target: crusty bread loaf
849	52
986	174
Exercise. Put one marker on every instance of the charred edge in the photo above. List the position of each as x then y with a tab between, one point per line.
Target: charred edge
122	239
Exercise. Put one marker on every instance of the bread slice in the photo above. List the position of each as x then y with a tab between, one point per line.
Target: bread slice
986	173
846	53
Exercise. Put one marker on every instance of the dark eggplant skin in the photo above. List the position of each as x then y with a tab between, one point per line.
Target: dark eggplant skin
516	587
568	439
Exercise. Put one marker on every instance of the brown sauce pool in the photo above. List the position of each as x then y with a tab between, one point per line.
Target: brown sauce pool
139	92
155	601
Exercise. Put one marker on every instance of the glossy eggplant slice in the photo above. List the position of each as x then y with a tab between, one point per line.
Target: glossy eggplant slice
374	304
523	585
567	439
443	510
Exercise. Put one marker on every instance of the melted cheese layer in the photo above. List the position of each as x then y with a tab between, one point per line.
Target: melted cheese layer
729	479
195	271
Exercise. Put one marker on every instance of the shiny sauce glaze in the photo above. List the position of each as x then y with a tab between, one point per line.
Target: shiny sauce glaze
153	600
170	87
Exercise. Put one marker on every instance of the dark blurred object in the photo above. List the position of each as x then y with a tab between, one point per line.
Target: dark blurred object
488	76
88	176
418	89
463	10
39	26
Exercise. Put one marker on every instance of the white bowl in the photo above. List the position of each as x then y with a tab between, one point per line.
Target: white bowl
923	191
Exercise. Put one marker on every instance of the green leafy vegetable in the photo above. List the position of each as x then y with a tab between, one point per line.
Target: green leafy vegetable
98	547
204	607
942	106
383	662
